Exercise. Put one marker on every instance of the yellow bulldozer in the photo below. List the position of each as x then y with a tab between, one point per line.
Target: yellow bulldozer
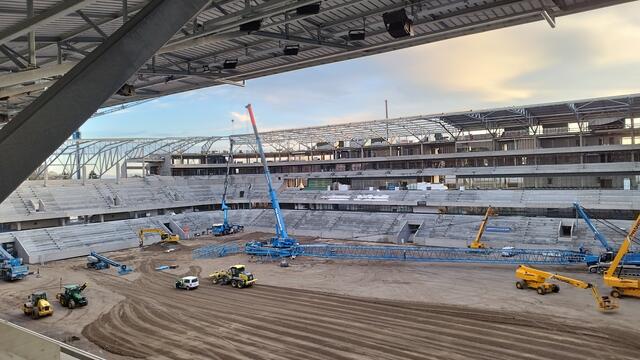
37	305
237	276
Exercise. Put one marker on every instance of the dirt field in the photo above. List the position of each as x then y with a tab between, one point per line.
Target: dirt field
324	310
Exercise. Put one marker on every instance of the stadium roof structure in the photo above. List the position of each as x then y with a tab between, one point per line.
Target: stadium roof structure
255	33
102	155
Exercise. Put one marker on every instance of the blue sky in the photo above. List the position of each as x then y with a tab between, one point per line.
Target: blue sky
587	55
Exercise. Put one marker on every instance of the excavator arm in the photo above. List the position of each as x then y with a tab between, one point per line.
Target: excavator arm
477	244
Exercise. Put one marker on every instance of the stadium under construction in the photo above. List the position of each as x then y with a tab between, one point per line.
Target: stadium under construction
392	238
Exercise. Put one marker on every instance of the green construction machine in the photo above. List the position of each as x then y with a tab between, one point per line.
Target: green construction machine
72	296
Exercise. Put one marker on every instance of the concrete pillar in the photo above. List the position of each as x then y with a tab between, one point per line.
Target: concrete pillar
123	171
51	119
18	226
46	176
101	218
118	173
84	175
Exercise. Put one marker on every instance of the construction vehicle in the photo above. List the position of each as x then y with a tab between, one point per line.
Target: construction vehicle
187	283
11	268
72	296
600	263
477	244
226	227
281	245
537	279
237	276
101	262
623	286
37	305
164	236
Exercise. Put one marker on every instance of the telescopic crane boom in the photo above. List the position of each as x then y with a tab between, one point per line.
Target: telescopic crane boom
282	239
477	244
226	227
537	279
621	286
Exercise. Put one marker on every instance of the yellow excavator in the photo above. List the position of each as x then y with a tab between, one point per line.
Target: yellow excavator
477	244
164	236
622	286
537	279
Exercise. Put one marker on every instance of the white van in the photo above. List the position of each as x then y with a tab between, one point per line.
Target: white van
188	283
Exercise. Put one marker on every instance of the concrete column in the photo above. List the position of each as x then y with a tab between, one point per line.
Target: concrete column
84	175
63	222
101	218
18	226
46	175
51	119
118	173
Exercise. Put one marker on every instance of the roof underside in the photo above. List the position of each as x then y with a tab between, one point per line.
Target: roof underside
66	30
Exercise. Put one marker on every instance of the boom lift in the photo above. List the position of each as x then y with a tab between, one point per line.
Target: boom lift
477	244
11	268
226	227
621	286
100	262
164	236
599	263
281	244
537	279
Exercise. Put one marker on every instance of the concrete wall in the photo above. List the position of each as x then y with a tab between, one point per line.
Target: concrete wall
18	343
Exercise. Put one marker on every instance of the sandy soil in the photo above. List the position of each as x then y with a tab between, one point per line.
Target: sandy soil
319	309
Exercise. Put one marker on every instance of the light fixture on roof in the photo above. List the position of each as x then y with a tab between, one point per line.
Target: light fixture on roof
398	23
126	90
230	64
310	9
291	50
251	26
356	34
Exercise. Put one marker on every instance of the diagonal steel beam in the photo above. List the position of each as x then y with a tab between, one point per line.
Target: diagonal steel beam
92	24
56	114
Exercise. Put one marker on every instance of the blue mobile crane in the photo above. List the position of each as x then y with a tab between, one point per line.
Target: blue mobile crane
11	268
599	263
281	245
226	227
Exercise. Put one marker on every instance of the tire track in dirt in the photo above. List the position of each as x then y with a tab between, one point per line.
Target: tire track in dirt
216	322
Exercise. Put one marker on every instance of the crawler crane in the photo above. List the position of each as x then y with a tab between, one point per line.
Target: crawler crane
537	279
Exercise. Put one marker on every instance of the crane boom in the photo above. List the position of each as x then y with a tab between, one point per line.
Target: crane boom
477	244
596	233
282	237
624	248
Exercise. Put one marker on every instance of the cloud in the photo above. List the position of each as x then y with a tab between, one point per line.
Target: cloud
240	117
